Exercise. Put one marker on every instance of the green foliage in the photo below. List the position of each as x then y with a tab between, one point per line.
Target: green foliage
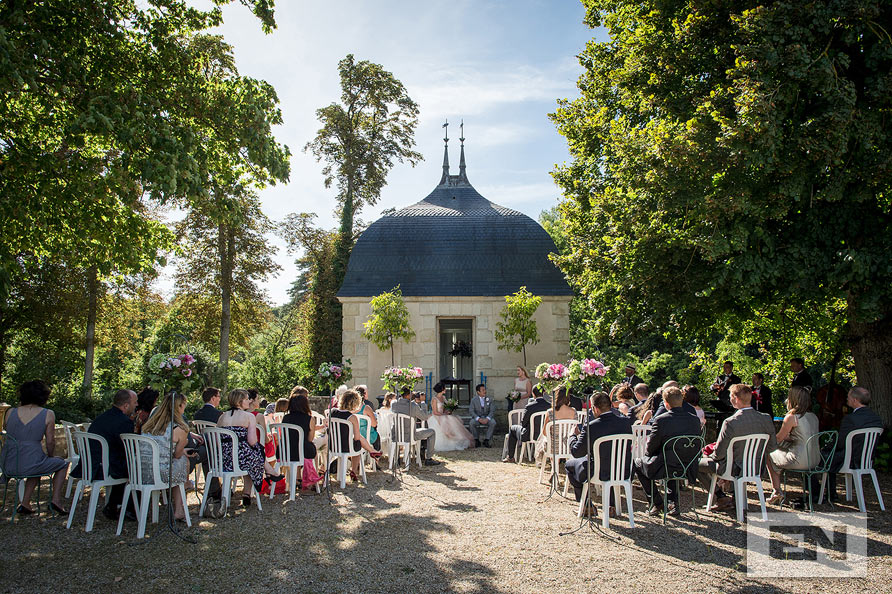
273	363
729	161
388	321
518	328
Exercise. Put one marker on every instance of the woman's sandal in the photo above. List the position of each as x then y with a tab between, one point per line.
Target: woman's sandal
58	510
353	477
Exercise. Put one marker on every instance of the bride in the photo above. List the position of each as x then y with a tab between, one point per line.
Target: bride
450	431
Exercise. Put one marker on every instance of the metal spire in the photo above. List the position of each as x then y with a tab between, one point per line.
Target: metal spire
461	164
445	177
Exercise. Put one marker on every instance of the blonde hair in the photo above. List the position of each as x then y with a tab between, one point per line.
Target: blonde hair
525	374
236	396
349	400
388	399
282	405
798	400
158	423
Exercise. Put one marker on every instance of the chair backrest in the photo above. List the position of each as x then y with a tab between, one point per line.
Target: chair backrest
133	447
282	431
213	439
824	443
338	441
200	426
537	422
640	433
870	436
404	427
620	456
752	454
515	417
83	439
320	418
581	415
69	441
681	455
562	429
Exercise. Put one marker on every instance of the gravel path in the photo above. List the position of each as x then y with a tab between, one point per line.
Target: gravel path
471	524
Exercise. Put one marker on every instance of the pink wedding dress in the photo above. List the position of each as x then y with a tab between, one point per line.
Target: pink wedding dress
450	431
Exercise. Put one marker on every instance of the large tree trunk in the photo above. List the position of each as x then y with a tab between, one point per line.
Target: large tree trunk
226	252
92	294
871	345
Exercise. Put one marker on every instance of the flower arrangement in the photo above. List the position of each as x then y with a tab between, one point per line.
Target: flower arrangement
331	375
551	375
513	396
397	378
586	372
461	349
172	372
450	404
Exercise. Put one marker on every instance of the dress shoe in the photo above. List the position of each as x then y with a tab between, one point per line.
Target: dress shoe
486	444
431	462
24	511
508	459
722	504
476	443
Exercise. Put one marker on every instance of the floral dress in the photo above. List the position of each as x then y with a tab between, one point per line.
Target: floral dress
250	457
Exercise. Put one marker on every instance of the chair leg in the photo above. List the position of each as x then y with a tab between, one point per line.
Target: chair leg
848	481
68	487
740	498
762	501
128	492
204	497
226	493
77	495
583	500
823	484
185	504
390	456
292	480
605	504
147	500
709	495
859	491
541	471
876	487
91	510
154	500
628	489
342	471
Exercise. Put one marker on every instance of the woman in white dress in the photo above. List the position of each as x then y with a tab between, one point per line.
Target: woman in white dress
450	431
523	386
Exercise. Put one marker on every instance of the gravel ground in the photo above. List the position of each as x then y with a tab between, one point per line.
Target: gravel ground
471	524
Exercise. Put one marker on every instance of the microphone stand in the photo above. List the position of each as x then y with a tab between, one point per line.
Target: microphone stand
554	486
328	452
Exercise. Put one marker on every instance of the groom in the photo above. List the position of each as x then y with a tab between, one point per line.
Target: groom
482	411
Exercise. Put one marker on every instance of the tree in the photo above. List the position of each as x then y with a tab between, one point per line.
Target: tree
360	138
518	328
730	158
389	321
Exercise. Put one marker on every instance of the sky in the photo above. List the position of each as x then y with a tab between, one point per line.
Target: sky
500	66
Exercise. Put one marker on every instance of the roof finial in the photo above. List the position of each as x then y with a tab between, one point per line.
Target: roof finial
445	178
461	164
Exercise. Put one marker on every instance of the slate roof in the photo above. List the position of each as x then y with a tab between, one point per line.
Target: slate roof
455	242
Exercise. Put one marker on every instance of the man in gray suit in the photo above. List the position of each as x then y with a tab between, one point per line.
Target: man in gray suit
405	406
482	417
746	421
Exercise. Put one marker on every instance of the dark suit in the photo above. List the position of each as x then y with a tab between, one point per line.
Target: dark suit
746	421
633	380
724	396
208	412
605	424
860	418
524	432
803	379
762	400
672	423
110	425
685	407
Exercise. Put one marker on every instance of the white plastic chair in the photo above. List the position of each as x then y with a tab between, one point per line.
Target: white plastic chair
537	420
405	441
199	427
562	429
620	477
73	456
581	415
385	428
856	474
515	417
283	456
366	433
148	486
83	445
214	438
342	448
640	433
753	458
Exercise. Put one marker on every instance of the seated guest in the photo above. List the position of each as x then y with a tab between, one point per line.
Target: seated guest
29	424
428	437
673	423
299	414
746	421
762	395
145	404
240	420
692	397
347	410
562	412
482	410
641	393
623	396
575	401
210	411
388	400
159	429
799	425
281	406
861	417
606	423
524	432
110	425
337	395
661	409
368	421
646	411
363	392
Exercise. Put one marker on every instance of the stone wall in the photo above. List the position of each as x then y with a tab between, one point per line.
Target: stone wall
552	319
